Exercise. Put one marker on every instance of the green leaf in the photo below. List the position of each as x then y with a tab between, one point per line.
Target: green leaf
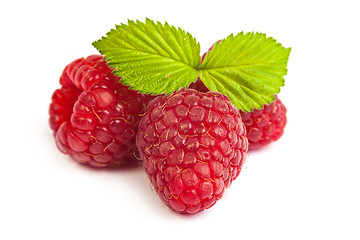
151	57
159	58
248	68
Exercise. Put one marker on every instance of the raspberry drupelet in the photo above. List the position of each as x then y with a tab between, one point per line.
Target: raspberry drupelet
193	146
94	117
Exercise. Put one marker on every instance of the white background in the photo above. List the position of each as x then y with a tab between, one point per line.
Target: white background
305	186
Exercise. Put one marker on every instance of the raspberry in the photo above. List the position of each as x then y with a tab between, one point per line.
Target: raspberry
265	125
93	116
192	147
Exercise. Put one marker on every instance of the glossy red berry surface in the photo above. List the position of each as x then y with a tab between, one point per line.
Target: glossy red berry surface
265	125
192	146
93	116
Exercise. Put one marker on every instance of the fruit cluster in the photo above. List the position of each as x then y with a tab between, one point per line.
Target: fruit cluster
192	143
94	117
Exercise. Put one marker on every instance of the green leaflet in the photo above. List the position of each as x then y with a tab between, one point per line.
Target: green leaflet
156	58
248	68
151	57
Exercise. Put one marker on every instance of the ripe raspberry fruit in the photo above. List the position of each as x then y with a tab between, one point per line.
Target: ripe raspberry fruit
265	125
193	146
93	116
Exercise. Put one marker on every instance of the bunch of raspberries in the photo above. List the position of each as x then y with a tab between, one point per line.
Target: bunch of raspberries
192	143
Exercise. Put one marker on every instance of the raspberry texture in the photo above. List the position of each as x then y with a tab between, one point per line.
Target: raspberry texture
93	116
265	125
193	146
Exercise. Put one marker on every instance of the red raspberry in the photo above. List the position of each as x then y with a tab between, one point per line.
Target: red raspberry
265	125
193	146
94	117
